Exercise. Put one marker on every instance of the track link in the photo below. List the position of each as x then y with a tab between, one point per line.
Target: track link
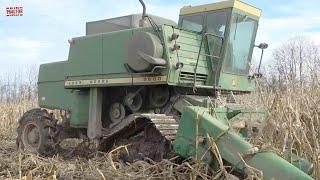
166	125
149	135
133	124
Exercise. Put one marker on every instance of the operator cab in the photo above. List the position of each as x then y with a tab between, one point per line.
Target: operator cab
233	25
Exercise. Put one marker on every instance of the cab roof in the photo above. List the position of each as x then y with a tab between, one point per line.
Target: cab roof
221	5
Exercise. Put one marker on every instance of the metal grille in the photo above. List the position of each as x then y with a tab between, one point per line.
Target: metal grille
189	77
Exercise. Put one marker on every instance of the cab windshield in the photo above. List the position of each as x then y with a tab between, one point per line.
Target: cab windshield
239	47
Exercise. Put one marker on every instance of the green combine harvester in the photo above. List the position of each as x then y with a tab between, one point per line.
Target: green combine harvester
171	86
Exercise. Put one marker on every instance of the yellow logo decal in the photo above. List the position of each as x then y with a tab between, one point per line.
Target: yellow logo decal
234	83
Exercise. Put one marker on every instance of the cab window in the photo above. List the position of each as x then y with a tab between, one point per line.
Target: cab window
216	23
193	23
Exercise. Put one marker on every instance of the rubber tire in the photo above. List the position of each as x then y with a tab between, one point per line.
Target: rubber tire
46	126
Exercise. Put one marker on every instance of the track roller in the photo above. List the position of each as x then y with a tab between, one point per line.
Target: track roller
117	112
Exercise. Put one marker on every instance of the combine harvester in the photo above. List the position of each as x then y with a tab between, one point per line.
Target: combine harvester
145	77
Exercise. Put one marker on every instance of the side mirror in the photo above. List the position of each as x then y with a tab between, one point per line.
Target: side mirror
262	46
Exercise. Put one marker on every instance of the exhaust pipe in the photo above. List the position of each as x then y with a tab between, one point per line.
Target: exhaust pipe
143	22
144	9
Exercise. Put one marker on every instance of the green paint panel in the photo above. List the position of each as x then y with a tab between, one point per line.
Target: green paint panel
189	43
85	56
80	109
114	47
236	82
55	71
52	95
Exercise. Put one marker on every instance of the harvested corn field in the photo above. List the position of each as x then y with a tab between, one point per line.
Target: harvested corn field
292	122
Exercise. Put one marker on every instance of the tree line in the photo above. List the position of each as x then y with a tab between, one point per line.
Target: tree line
296	63
19	86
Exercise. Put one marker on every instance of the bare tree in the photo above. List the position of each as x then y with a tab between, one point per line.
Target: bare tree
18	86
296	62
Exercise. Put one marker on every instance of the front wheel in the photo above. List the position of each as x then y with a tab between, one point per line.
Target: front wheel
35	132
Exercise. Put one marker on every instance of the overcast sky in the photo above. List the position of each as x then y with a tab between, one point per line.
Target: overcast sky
41	34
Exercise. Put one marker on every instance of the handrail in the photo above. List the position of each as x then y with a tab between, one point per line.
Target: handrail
218	57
